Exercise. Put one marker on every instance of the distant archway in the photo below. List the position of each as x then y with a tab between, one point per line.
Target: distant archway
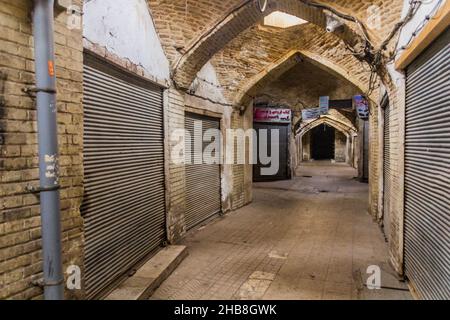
331	121
349	131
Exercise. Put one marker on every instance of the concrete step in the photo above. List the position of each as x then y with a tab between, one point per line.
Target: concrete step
150	276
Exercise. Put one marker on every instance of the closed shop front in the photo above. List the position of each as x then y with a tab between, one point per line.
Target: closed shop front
124	200
203	186
282	145
269	122
427	172
386	168
366	149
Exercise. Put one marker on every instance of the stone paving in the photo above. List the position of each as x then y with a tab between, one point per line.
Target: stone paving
307	238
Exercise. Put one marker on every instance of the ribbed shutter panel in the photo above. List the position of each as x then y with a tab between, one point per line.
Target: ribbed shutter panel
387	171
427	172
124	200
203	189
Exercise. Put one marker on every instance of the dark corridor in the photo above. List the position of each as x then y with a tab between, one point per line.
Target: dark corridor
322	142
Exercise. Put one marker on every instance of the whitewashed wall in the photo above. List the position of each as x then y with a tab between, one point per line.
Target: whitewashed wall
427	8
125	28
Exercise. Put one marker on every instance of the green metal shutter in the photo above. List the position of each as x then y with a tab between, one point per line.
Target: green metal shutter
203	189
124	200
427	172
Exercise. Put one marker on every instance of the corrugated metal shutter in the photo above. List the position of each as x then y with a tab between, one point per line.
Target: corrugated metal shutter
203	189
427	172
387	170
366	150
124	201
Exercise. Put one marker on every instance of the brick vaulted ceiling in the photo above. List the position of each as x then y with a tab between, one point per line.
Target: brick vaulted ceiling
248	59
226	33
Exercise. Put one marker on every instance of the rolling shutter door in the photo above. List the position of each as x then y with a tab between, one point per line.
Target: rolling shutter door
387	171
124	201
427	172
366	150
283	150
203	190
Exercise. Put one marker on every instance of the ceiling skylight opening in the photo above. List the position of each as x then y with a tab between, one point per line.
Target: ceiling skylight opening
282	20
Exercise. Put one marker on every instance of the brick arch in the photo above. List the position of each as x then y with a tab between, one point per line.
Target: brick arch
287	61
347	129
204	47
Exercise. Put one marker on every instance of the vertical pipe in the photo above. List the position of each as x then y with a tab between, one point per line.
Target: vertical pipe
48	148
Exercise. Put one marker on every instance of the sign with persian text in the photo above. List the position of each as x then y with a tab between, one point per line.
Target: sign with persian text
311	114
272	115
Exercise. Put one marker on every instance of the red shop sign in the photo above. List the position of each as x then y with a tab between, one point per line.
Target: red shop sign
272	115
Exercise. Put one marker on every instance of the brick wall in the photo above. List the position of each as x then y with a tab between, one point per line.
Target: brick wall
238	195
241	186
301	86
177	180
20	232
254	51
187	34
396	125
181	22
340	147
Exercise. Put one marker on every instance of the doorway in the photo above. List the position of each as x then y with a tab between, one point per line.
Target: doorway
322	142
282	146
124	200
203	186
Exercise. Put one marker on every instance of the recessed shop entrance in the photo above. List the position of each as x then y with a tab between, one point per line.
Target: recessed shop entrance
281	146
203	188
272	126
124	199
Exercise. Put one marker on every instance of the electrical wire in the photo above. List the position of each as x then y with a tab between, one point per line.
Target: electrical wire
373	57
428	17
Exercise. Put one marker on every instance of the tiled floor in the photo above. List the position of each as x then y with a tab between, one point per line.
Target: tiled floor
307	238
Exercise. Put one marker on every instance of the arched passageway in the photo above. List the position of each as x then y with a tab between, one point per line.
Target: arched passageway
328	139
143	87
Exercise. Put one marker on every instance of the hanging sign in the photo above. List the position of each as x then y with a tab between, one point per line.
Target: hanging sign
324	105
362	107
311	114
272	115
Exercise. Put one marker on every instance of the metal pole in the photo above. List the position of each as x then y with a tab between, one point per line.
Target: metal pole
48	148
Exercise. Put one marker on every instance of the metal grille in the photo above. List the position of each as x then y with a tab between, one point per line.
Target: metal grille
124	201
427	172
387	170
203	190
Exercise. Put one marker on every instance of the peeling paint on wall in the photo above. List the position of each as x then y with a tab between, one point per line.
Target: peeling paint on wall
207	84
227	173
125	28
426	9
